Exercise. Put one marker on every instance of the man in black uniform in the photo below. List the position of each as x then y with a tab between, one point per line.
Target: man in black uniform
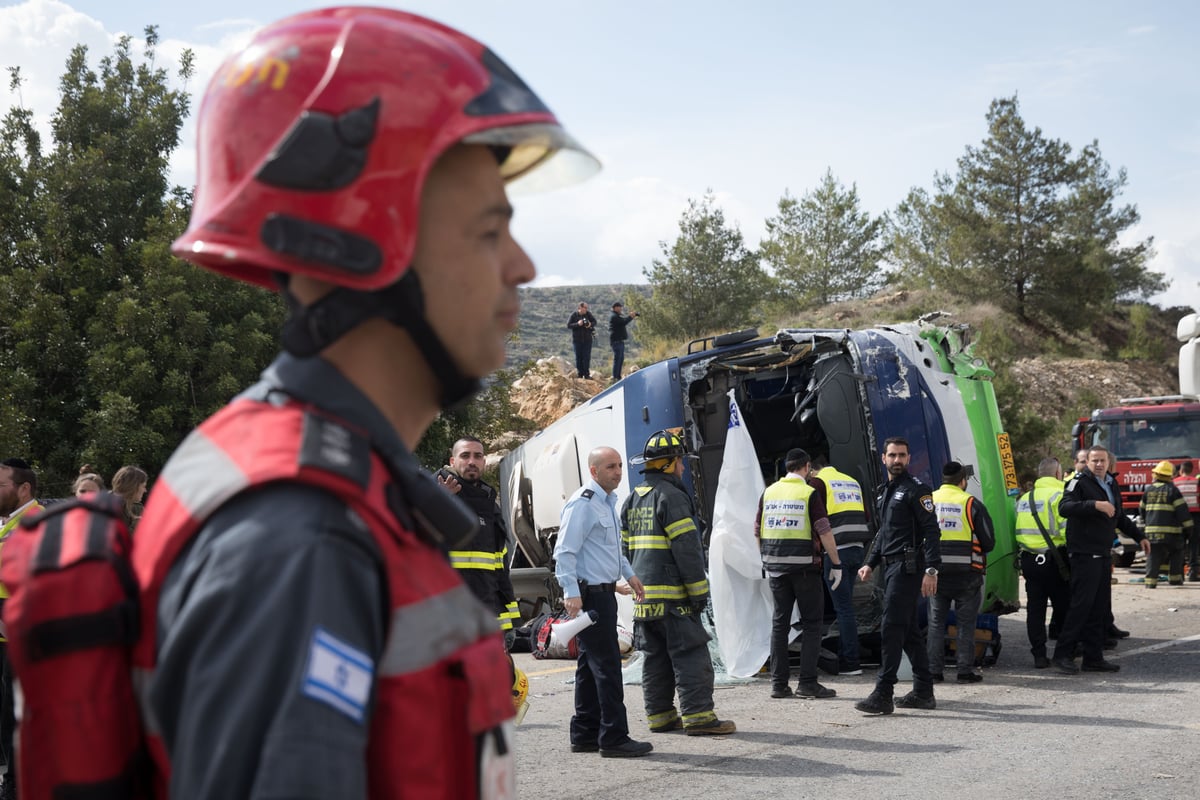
908	546
1092	505
481	561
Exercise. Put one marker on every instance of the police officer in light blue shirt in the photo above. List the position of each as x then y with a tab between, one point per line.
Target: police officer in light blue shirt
588	563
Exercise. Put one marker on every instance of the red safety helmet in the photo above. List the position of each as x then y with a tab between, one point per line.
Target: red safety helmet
316	139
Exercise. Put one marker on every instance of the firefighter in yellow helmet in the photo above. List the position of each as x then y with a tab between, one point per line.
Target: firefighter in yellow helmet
1168	520
662	542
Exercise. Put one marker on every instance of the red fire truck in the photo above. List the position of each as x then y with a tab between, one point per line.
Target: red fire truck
1143	431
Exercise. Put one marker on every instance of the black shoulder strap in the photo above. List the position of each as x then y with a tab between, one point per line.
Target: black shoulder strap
1054	551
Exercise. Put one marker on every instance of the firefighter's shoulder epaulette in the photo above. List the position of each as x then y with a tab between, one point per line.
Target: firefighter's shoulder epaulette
588	494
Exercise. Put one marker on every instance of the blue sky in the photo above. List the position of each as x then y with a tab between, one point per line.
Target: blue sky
680	97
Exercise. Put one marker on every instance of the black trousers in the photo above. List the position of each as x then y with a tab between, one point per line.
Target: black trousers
805	590
1043	584
583	356
599	693
1169	548
900	632
1091	608
675	652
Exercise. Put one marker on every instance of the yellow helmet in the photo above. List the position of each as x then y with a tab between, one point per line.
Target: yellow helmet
520	693
662	449
1164	470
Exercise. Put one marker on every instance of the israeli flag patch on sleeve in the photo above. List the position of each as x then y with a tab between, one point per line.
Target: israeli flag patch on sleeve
338	675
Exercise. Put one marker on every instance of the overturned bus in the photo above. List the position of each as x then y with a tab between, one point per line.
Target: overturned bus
837	393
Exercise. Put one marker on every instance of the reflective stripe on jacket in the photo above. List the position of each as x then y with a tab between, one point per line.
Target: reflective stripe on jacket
1188	487
960	549
660	538
786	534
1044	498
845	507
1164	510
442	685
483	560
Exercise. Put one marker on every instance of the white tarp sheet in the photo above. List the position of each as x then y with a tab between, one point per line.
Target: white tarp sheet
741	597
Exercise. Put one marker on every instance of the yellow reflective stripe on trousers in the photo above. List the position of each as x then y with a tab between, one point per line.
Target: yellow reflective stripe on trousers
699	718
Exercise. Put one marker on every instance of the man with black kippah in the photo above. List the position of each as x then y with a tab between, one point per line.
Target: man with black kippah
967	536
791	521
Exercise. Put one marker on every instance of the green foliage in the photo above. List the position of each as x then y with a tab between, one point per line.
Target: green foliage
1026	223
1028	432
1143	342
709	281
487	417
823	247
111	348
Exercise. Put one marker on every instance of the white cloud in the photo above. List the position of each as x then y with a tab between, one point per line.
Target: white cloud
237	24
38	35
1141	30
1062	74
546	281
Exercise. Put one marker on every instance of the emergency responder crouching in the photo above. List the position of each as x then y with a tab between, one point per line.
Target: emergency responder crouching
907	546
1168	524
662	541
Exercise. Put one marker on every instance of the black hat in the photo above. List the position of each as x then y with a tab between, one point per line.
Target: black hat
796	459
953	472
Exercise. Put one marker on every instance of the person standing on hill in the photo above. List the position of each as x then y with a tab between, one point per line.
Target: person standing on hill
618	325
582	326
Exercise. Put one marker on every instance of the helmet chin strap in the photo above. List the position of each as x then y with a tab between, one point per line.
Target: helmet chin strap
310	329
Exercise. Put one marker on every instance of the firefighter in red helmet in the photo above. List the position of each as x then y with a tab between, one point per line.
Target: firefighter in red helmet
302	635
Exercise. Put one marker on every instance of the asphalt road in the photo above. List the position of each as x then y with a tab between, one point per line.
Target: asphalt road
1021	733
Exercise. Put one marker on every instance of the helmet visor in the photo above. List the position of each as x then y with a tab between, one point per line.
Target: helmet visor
541	157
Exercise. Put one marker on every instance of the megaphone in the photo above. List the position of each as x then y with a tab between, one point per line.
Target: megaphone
563	632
